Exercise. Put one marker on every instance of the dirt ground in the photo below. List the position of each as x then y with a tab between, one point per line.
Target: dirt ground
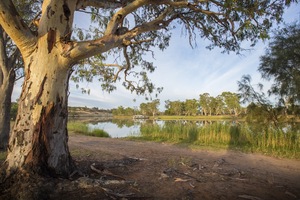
122	169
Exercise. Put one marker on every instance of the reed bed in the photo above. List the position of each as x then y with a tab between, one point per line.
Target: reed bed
82	128
276	141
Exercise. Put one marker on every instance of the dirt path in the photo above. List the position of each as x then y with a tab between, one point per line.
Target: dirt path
148	170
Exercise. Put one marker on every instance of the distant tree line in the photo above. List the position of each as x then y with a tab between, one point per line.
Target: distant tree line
147	109
227	103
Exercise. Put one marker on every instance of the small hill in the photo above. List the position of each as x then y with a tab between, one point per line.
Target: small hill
82	112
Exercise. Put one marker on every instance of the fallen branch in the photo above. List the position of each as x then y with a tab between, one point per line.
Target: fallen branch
93	168
135	158
198	180
245	196
76	172
181	180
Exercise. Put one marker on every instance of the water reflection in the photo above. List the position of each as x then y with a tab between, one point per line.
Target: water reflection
117	128
126	127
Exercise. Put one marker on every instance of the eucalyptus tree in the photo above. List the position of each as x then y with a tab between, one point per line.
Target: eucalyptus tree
150	108
191	107
168	107
232	102
153	107
38	142
144	109
11	68
174	107
219	105
260	107
119	111
204	103
281	63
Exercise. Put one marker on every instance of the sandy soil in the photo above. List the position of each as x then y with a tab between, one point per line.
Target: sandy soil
149	170
121	169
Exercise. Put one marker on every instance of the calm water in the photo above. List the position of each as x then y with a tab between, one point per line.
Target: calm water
115	130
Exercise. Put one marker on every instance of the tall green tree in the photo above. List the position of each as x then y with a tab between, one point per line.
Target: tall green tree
219	105
153	107
191	107
150	108
144	109
38	142
119	111
174	107
232	102
281	63
204	103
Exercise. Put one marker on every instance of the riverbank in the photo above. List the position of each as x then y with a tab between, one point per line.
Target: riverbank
166	171
123	169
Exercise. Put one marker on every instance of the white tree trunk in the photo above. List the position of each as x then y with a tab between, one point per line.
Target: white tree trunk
39	137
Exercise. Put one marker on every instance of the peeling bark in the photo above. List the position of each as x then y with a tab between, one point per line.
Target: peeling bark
39	139
51	39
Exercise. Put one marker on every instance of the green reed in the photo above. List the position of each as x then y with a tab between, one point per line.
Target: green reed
82	128
276	141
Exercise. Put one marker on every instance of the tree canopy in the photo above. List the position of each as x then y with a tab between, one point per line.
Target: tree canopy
281	63
226	24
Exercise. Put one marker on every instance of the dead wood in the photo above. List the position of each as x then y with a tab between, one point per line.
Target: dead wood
93	168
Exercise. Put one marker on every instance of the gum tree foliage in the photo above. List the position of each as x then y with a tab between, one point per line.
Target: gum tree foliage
128	30
219	105
232	102
150	108
174	107
123	111
281	63
191	107
204	103
260	107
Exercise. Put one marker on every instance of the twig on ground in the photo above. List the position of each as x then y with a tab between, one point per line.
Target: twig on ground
93	168
198	180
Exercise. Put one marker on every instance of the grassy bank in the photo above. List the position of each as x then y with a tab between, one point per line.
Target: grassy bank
267	140
82	128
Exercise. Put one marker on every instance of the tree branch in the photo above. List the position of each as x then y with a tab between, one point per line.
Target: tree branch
14	26
81	50
192	6
111	4
119	16
76	51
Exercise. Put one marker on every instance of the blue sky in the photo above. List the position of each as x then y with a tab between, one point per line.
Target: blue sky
183	72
